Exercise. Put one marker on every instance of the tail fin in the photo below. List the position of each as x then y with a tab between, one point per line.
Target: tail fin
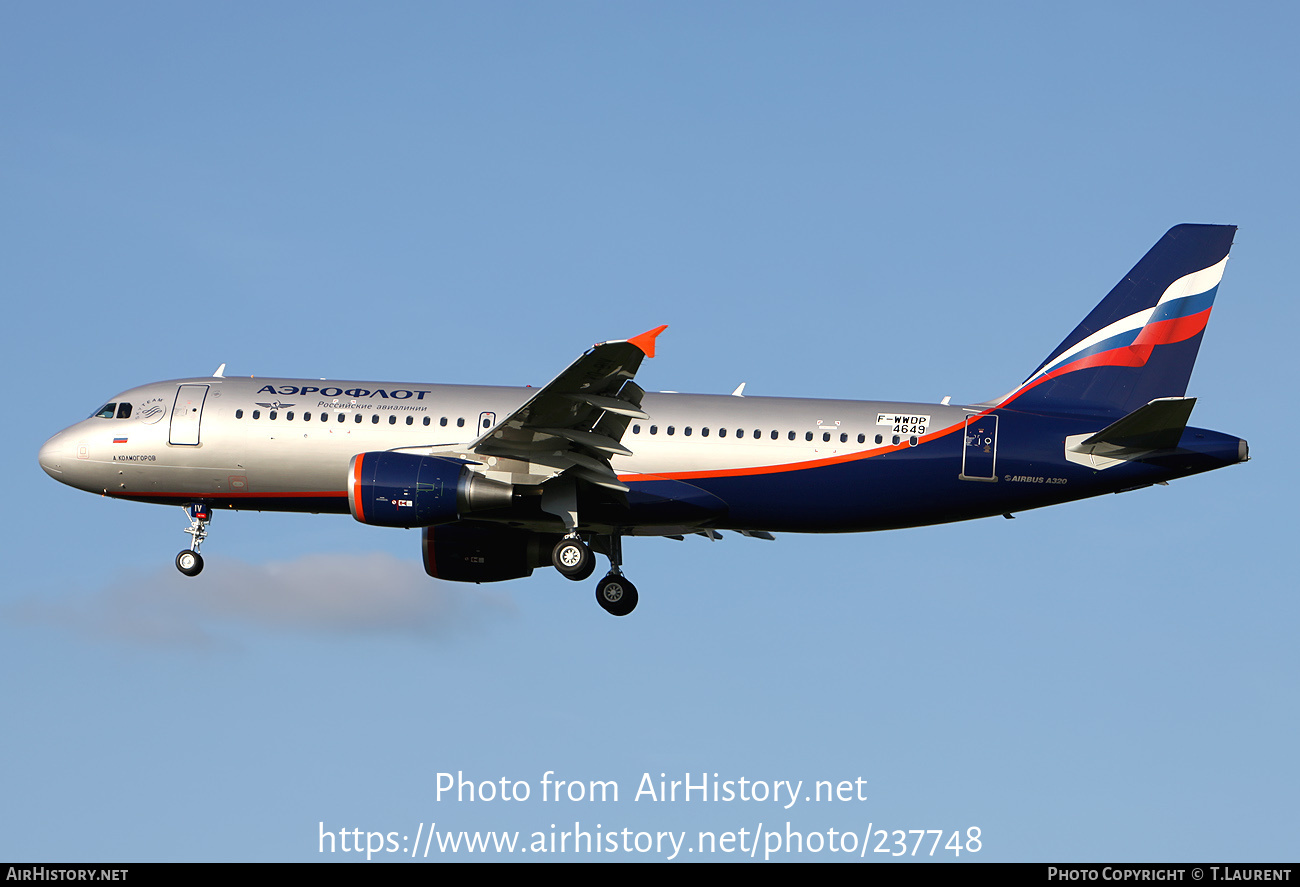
1140	343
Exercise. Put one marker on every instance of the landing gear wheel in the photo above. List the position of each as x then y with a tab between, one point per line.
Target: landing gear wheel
189	562
616	595
573	559
585	572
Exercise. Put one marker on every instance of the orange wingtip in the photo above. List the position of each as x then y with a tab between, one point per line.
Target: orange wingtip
646	341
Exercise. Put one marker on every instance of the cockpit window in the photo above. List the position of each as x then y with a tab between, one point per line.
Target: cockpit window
107	411
124	411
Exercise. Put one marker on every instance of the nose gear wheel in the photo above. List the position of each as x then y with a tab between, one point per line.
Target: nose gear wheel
189	561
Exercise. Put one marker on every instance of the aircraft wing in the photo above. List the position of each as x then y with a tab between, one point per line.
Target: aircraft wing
575	423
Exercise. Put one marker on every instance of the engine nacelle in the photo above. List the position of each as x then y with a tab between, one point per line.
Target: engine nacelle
468	553
406	490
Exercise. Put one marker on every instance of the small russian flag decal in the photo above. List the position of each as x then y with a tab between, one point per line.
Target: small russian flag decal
119	440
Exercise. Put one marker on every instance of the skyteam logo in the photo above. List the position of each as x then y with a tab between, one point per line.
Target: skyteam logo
151	411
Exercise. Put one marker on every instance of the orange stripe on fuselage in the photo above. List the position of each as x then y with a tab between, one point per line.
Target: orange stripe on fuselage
796	466
199	497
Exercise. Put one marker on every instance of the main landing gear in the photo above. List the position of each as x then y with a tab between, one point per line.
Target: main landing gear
189	561
616	595
574	560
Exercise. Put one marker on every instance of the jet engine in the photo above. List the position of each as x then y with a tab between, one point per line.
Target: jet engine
469	553
406	490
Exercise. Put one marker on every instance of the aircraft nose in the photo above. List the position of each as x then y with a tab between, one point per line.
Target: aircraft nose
52	455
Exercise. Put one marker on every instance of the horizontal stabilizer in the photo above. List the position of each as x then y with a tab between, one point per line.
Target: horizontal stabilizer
1157	426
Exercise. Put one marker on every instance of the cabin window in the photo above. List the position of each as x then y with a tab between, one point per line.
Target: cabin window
306	417
896	439
107	411
443	421
704	432
757	434
342	418
826	436
426	420
687	431
274	414
460	423
775	434
374	420
410	420
844	438
257	414
862	438
358	419
392	420
880	439
672	430
636	429
239	414
912	441
722	432
654	429
807	435
289	416
790	435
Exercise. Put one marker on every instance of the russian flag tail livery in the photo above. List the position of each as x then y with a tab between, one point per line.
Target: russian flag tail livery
1139	344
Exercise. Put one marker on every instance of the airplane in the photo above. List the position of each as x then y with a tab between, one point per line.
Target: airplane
503	480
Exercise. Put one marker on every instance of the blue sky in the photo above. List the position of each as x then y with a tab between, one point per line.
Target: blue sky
827	200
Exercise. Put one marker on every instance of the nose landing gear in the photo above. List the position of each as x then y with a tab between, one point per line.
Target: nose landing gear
189	561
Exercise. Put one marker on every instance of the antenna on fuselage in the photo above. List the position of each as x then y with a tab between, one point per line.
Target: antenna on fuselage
220	373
